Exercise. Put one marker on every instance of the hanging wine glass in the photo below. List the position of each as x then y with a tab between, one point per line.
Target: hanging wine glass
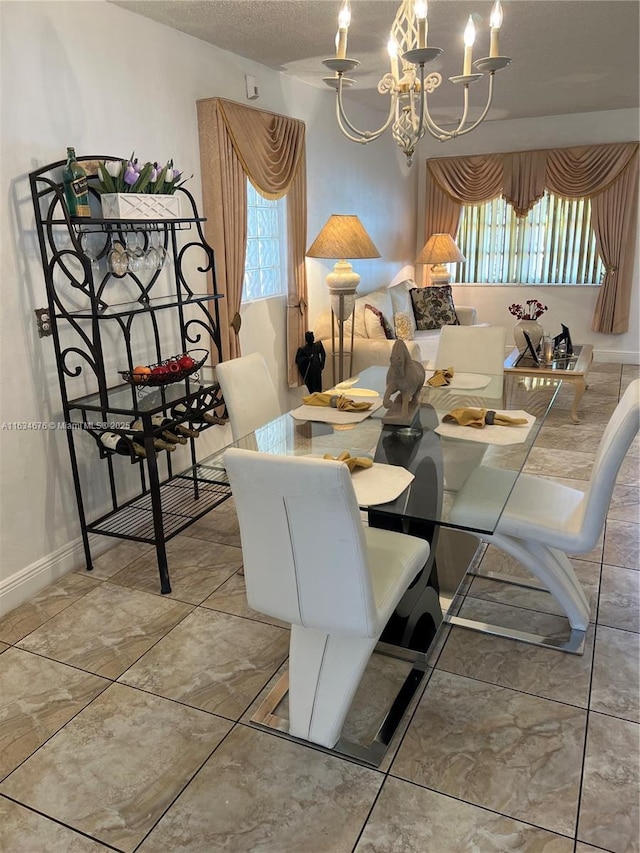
135	251
161	252
151	256
93	244
117	260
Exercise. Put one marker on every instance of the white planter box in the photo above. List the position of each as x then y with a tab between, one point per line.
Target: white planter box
140	206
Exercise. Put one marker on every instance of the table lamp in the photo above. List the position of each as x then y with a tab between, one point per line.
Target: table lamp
342	237
440	249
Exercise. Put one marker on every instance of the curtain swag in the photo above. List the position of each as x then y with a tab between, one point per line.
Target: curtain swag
239	142
607	174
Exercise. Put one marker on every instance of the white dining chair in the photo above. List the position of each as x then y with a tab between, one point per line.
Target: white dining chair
249	393
309	561
544	521
475	350
472	349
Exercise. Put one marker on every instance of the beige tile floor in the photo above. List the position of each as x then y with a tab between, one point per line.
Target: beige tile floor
124	715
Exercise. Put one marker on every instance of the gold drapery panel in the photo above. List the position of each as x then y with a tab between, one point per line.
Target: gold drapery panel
238	141
608	174
615	215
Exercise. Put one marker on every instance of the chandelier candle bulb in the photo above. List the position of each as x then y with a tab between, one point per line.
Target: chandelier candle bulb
344	19
496	22
469	38
392	48
421	15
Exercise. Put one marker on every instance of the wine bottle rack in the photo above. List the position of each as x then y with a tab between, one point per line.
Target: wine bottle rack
93	326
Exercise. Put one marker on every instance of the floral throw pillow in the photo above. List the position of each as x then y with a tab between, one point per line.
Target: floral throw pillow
433	307
376	323
404	326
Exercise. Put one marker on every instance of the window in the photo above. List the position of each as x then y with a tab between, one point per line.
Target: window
265	266
554	244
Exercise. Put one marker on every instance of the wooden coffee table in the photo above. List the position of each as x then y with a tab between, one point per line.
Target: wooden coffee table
570	369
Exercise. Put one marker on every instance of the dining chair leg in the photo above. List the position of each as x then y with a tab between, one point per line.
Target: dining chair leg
554	570
324	673
557	575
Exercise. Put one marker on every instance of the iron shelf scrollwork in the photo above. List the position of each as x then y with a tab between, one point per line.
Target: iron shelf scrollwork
120	295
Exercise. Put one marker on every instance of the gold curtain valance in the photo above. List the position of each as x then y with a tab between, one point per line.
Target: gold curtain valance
608	174
588	170
468	180
269	146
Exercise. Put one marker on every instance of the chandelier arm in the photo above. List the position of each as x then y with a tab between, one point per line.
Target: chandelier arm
443	135
363	136
432	127
465	111
484	112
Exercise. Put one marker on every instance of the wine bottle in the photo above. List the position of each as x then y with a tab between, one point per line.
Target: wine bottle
117	444
196	416
76	190
158	443
169	433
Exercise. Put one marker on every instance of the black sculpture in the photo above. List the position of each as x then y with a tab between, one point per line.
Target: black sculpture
310	360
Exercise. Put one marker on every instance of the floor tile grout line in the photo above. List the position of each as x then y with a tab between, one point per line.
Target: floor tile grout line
483	808
185	786
53	616
57	731
516	690
369	813
61	823
586	727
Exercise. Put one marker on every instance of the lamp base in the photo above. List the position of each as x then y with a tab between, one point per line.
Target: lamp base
440	274
342	284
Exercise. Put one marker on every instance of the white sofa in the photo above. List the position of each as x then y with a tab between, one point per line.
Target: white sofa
370	344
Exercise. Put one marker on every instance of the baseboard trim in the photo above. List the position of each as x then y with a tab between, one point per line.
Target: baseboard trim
615	357
27	582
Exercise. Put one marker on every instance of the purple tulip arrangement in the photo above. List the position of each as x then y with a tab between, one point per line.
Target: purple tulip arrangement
130	176
531	310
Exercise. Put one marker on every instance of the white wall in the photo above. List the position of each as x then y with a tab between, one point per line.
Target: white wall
108	81
572	306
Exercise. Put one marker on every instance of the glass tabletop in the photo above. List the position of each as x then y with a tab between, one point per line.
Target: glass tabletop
560	363
440	463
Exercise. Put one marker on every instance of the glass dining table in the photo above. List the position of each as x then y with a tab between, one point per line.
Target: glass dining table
440	458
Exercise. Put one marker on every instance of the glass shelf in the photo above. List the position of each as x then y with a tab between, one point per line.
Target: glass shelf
129	399
138	306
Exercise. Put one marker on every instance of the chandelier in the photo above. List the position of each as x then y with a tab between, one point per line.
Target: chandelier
407	83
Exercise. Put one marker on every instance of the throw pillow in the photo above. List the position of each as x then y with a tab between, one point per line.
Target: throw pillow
404	326
401	299
377	326
433	307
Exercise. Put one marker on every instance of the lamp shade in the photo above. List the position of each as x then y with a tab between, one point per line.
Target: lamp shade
343	237
440	249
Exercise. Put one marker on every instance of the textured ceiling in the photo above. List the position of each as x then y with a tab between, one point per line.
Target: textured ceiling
569	56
